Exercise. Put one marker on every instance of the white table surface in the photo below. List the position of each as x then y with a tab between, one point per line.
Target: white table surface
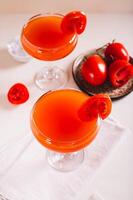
115	179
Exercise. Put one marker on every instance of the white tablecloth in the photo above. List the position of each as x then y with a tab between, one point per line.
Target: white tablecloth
26	175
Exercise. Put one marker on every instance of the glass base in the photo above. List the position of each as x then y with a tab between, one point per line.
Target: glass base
51	78
16	50
65	161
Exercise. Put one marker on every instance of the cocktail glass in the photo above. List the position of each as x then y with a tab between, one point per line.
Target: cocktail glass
43	38
65	122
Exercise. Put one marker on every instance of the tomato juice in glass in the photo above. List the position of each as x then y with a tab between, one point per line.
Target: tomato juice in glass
56	124
43	38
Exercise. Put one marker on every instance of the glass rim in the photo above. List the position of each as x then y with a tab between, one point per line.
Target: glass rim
44	14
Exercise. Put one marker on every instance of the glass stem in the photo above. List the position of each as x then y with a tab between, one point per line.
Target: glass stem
65	161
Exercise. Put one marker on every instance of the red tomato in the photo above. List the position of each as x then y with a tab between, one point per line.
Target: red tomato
74	21
98	105
115	51
18	94
120	71
94	70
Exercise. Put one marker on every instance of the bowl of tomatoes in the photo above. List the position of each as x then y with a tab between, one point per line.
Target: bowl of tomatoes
108	70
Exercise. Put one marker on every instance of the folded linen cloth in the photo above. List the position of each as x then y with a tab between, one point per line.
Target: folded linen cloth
26	175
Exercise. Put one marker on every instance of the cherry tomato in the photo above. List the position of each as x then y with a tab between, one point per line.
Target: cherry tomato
120	71
115	51
74	21
18	94
94	70
98	105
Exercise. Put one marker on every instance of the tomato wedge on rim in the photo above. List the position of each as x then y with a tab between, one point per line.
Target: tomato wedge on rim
120	71
18	94
99	105
74	21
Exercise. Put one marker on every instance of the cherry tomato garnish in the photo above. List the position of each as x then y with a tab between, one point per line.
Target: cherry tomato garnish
98	105
94	70
115	51
18	94
74	21
120	71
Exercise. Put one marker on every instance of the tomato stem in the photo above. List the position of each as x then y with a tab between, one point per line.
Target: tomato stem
100	51
114	40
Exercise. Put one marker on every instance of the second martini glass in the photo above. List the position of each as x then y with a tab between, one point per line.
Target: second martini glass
65	122
51	37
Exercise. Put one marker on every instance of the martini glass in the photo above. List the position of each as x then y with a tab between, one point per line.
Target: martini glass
65	125
45	38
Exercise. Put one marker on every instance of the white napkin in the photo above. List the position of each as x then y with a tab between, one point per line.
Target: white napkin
26	175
